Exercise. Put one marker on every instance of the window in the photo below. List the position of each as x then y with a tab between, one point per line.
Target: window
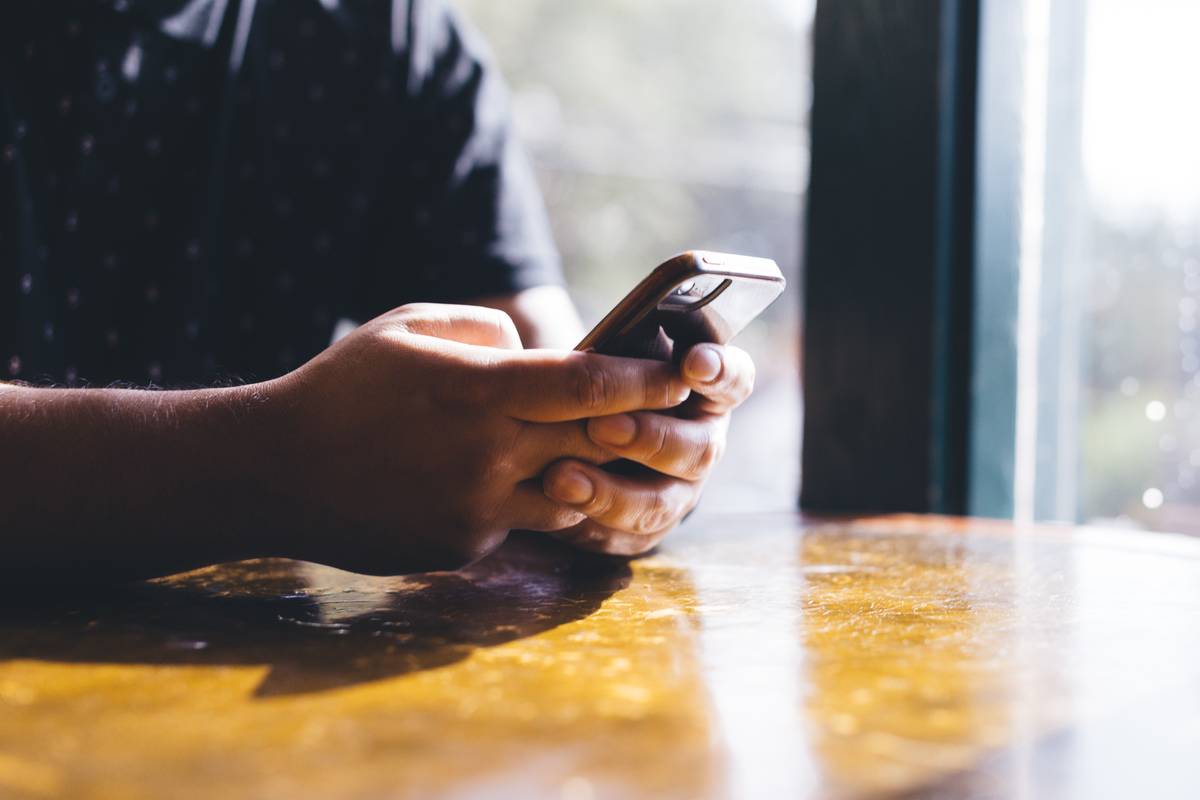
1100	230
665	126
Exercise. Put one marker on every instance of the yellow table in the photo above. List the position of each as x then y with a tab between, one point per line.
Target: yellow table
754	656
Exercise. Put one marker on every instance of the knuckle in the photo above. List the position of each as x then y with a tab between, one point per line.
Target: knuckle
705	456
603	503
649	390
378	335
506	329
495	316
415	309
562	519
657	515
412	316
710	454
593	386
656	437
656	386
558	518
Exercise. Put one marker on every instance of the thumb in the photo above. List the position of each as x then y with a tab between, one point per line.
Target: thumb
475	325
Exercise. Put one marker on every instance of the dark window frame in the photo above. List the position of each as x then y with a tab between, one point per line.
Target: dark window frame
889	267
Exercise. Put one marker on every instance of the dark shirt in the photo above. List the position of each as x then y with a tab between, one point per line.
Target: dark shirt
197	190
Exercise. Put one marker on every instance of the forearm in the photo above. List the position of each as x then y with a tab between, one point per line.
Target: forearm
124	483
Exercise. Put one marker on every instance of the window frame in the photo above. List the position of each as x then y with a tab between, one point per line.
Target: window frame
890	257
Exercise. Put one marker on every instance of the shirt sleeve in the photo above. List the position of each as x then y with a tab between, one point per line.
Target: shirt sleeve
471	221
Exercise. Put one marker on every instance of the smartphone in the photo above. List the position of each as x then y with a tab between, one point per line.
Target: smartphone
695	297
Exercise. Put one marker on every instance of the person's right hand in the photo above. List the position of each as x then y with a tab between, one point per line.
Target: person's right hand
417	442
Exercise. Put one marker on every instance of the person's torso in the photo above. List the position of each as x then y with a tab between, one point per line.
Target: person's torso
170	215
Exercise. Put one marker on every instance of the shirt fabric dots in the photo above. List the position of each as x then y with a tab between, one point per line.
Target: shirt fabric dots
197	191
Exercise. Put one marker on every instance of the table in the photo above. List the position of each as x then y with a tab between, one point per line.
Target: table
754	656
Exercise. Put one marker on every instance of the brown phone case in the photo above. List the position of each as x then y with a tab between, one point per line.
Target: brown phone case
655	317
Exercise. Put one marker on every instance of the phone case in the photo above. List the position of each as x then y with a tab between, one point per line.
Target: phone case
655	320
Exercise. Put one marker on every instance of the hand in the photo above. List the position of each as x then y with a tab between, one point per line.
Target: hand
628	514
417	441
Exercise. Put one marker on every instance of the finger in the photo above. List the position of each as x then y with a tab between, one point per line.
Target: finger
555	386
595	538
543	443
722	376
643	504
486	327
529	509
683	448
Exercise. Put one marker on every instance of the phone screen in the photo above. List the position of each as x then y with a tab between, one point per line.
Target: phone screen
711	308
720	315
692	298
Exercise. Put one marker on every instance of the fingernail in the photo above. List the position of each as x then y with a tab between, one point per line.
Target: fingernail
617	430
703	364
572	486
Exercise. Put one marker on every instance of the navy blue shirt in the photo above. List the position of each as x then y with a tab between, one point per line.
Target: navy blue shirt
194	191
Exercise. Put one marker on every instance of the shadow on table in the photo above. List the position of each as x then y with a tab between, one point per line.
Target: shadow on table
317	628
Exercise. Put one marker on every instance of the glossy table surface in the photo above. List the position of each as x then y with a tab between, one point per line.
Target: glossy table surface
754	656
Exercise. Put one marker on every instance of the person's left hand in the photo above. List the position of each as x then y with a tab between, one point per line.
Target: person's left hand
631	512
